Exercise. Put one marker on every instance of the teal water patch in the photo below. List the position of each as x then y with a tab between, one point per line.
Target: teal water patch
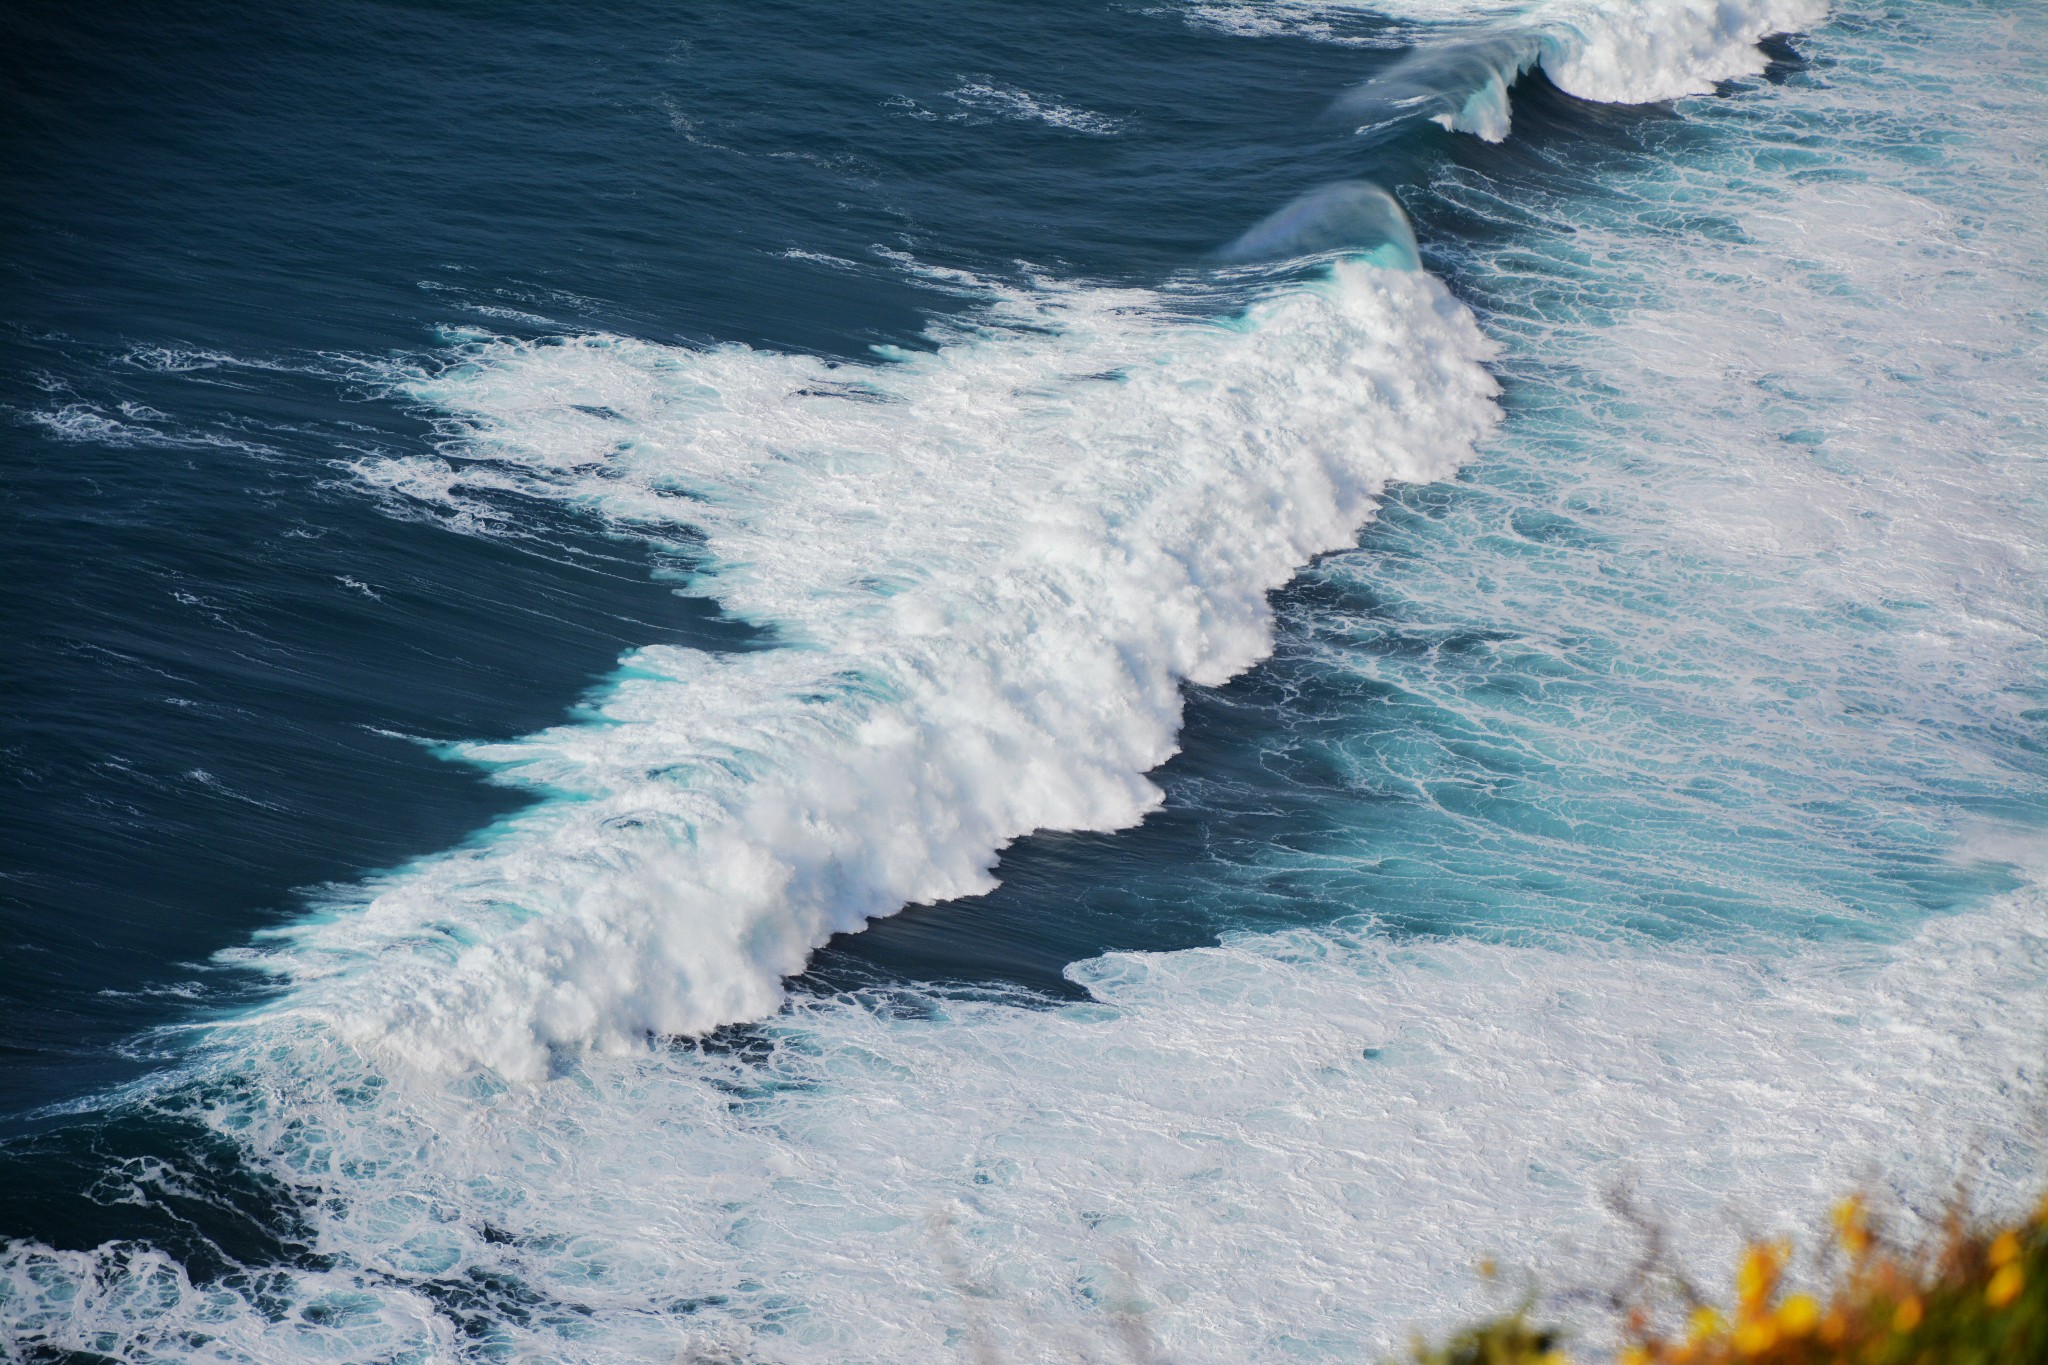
1737	628
1755	565
1734	635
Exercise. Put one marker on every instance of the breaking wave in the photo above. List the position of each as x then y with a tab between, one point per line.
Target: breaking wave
989	566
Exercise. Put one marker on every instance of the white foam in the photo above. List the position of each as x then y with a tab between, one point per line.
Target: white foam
1289	1146
1468	52
1320	20
134	427
991	567
1647	50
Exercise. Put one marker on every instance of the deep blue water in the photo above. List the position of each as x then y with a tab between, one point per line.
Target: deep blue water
1652	672
283	189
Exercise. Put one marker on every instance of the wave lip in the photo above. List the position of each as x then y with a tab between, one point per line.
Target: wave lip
1352	216
1606	51
991	567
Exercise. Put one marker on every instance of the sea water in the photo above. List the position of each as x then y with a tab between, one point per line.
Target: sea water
1047	683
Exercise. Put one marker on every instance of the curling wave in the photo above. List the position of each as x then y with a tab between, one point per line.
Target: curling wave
1607	51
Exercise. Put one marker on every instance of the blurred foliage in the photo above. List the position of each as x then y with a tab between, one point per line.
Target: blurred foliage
1973	1294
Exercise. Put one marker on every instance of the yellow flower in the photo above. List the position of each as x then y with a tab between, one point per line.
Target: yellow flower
1705	1325
1852	1226
1755	1337
1553	1358
1759	1273
2005	1248
2005	1286
1908	1314
1798	1315
1633	1355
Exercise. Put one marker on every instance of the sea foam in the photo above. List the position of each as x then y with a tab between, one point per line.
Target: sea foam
1285	1147
989	567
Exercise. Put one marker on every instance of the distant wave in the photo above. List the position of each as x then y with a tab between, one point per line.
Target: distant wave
1467	53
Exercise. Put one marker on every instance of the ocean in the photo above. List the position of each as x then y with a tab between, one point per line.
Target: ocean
1093	680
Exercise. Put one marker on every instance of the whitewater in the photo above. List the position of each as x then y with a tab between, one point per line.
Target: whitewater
548	1094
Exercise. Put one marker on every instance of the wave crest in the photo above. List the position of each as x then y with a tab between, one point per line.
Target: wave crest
1606	51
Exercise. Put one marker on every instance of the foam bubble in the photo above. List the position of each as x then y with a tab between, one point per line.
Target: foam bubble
131	425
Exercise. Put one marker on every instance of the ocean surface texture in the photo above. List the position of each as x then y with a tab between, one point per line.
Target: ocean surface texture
1080	680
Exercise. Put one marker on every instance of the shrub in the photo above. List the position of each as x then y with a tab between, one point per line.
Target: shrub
1974	1294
